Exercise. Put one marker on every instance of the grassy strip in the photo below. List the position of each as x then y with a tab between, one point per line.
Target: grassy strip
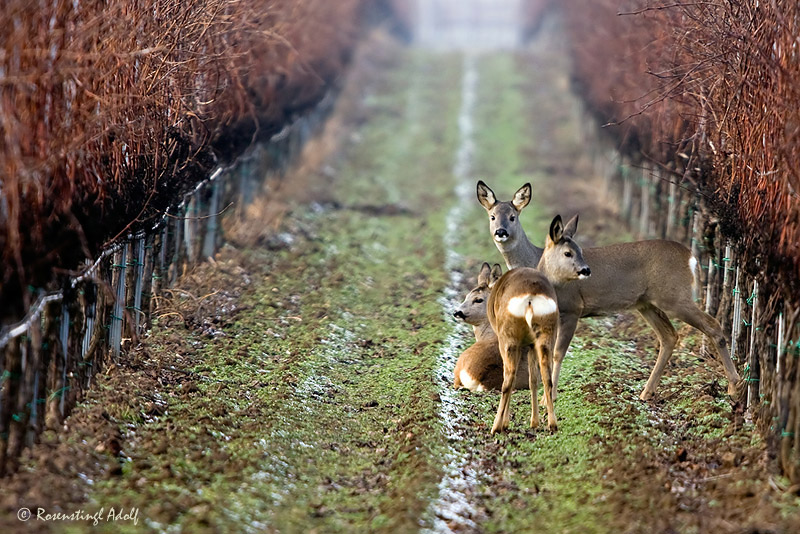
526	472
316	409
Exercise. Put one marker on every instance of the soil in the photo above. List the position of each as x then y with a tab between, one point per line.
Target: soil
299	380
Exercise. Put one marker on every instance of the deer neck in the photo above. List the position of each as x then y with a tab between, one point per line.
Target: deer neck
483	332
544	268
520	252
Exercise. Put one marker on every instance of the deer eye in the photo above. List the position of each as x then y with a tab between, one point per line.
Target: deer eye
512	218
568	254
492	217
477	301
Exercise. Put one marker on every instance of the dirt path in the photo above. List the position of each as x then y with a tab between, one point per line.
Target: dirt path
301	384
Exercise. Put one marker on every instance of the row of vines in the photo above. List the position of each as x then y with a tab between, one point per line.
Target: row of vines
698	106
126	130
110	111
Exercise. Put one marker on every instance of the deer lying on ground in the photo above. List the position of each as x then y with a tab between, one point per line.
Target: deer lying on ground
480	367
523	312
657	278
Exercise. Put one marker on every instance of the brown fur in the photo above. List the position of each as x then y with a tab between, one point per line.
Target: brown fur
484	364
518	338
482	361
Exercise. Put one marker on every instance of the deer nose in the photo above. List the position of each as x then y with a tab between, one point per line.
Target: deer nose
458	314
501	232
585	271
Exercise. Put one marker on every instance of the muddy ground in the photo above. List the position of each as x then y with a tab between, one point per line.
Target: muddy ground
300	380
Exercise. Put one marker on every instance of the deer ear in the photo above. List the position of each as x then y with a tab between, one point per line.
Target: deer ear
495	275
571	227
484	275
522	197
556	230
486	196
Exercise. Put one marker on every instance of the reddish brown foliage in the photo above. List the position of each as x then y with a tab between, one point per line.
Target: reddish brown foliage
719	82
109	111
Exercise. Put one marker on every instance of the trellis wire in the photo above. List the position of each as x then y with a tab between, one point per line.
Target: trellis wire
50	357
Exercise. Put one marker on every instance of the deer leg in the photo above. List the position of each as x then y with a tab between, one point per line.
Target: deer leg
566	330
667	337
699	319
511	356
533	385
544	348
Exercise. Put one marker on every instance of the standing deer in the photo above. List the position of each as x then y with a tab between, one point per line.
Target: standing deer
656	278
523	312
480	367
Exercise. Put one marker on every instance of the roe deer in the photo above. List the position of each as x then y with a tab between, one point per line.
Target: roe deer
656	278
523	312
480	367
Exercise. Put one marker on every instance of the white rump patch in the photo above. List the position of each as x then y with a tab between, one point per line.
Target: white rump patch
693	270
470	383
538	304
542	305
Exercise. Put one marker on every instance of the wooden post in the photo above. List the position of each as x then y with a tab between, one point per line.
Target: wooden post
90	314
58	368
737	318
160	273
51	321
779	365
192	227
11	378
177	255
138	284
147	279
22	402
610	167
671	209
726	266
695	239
644	199
118	283
73	357
627	192
709	284
753	380
212	226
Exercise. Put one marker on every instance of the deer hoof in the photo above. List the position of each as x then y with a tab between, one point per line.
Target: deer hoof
553	428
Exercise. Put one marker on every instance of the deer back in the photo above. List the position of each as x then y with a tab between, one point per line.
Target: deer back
658	271
512	296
